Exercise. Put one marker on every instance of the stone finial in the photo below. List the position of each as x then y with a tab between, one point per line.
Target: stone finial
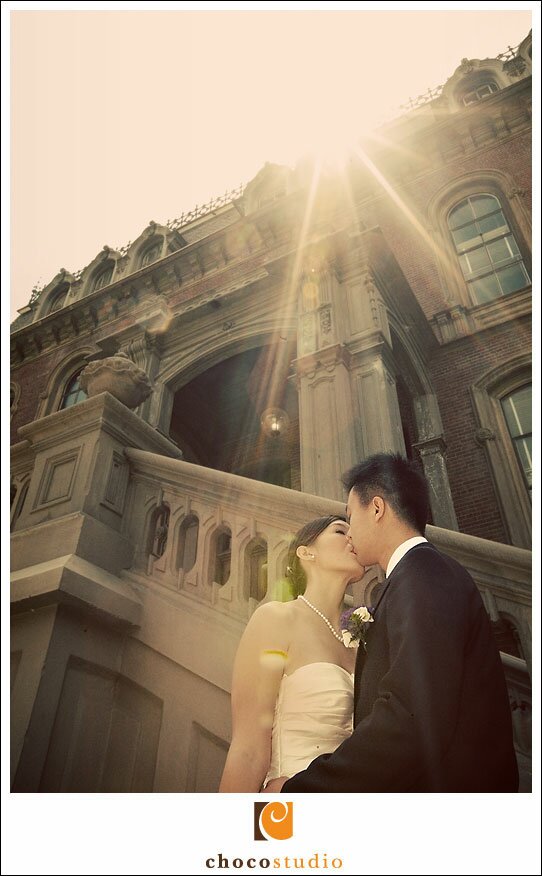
119	376
466	66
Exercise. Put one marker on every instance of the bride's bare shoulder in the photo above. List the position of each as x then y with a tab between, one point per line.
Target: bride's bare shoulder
269	628
273	615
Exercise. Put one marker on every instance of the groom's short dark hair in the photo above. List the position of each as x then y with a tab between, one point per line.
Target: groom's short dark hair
397	480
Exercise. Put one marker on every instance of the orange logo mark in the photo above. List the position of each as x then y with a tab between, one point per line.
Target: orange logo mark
273	821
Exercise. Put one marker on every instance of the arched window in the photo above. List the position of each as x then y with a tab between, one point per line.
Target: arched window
256	569
58	299
158	531
73	392
188	543
103	278
222	551
517	409
482	90
151	253
488	254
507	637
502	403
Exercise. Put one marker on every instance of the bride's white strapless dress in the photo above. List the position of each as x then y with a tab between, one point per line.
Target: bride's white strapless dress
313	715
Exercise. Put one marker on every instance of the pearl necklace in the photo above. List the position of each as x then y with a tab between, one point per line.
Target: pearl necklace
324	618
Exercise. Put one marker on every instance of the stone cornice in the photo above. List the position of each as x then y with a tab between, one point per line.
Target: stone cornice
440	124
101	411
323	359
72	580
170	279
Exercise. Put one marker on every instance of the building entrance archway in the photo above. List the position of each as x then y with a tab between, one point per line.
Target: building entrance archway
241	416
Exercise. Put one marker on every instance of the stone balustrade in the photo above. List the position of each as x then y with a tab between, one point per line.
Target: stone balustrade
257	521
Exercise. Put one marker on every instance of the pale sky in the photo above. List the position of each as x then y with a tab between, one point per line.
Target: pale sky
118	118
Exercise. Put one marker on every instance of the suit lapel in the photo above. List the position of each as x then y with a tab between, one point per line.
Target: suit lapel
361	656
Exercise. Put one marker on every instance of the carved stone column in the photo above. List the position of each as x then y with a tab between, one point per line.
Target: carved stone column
377	416
325	421
432	453
372	370
322	369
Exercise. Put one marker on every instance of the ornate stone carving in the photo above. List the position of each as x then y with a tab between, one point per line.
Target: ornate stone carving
118	375
466	66
368	280
482	436
515	66
435	446
325	321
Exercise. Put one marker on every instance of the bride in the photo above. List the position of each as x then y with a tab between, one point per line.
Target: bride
293	683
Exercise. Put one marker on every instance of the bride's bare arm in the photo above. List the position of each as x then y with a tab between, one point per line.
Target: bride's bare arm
258	668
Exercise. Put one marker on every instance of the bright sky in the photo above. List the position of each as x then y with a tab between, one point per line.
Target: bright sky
120	117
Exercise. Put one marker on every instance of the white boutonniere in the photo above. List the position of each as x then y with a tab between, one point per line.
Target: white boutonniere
354	626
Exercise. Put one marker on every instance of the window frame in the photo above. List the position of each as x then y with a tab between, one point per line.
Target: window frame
469	246
515	438
511	490
59	294
158	244
483	83
452	282
96	284
75	376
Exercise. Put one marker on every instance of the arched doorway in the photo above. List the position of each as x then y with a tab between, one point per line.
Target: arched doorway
241	416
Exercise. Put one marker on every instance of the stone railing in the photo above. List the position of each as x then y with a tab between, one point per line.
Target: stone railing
216	544
216	538
224	540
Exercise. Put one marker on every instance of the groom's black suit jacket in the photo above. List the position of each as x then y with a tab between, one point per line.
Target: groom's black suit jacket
431	709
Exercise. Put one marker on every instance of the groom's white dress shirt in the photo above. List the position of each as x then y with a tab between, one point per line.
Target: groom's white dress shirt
400	551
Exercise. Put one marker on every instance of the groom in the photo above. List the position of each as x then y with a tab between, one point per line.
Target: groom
431	709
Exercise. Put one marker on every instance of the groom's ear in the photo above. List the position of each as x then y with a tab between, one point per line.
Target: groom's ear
379	506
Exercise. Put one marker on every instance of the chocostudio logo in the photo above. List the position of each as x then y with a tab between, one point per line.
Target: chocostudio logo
273	821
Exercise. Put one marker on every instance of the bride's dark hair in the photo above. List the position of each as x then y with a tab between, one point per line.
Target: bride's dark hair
308	534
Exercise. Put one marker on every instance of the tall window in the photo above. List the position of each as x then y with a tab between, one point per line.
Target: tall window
489	256
73	393
151	254
256	569
188	543
103	278
158	531
517	409
222	556
58	299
